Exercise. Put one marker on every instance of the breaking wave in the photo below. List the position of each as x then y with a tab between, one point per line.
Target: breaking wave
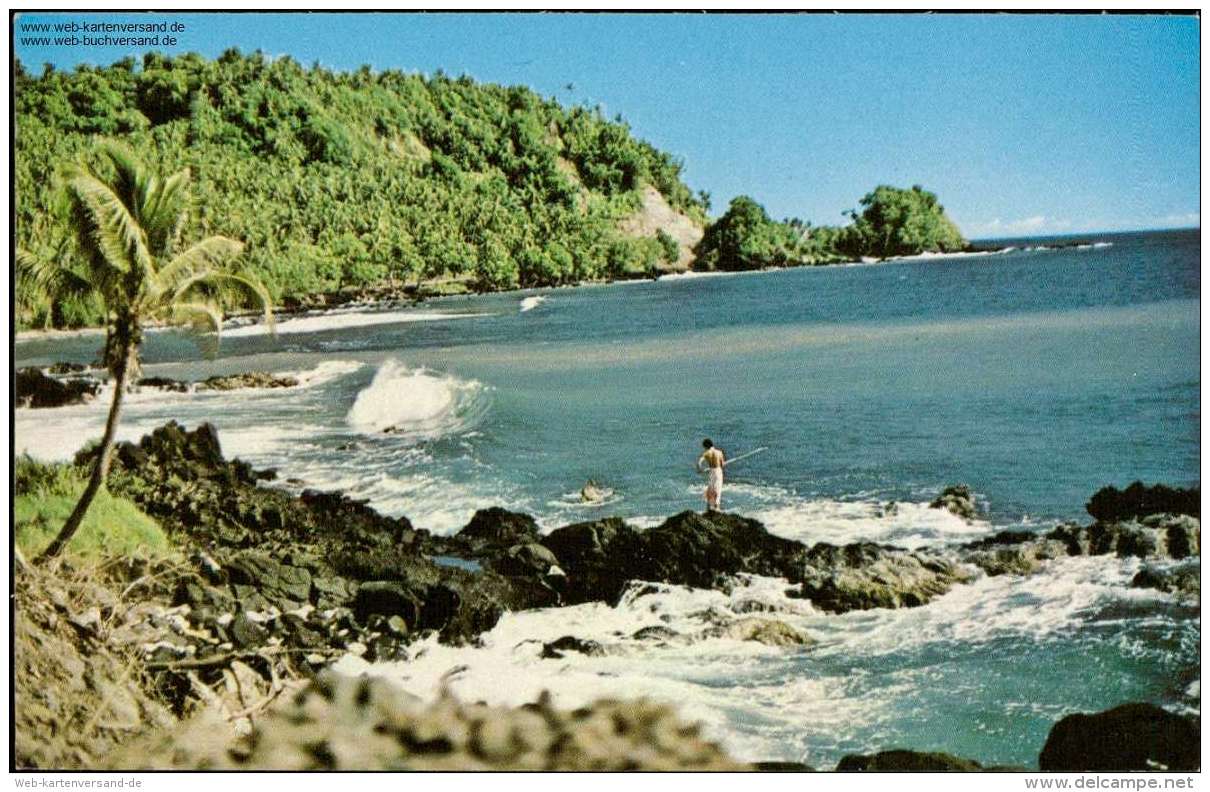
417	403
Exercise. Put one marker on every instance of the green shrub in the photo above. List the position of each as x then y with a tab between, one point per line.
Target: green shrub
45	495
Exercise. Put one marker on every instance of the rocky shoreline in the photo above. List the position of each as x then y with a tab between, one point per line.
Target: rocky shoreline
272	588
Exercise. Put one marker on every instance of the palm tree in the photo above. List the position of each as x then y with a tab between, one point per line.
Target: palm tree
129	225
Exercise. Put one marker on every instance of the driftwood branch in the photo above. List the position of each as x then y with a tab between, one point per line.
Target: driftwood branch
226	657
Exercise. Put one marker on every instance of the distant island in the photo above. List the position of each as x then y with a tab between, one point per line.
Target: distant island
392	184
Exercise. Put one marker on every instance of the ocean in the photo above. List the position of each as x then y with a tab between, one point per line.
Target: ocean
1035	375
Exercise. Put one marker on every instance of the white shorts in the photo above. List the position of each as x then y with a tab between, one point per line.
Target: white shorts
714	483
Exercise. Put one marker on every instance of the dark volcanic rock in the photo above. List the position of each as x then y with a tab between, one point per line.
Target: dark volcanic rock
906	762
688	549
62	367
865	575
596	556
388	598
275	580
530	559
778	766
1110	504
706	550
1184	579
252	379
32	388
320	547
1156	536
246	633
1013	552
164	383
569	643
1135	736
498	526
957	500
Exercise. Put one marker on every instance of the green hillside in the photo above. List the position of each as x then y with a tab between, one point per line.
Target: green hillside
338	180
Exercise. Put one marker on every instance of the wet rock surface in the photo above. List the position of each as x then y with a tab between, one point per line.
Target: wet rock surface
1184	579
252	379
272	587
32	388
1134	736
906	762
1110	504
273	553
864	575
1152	537
689	549
957	500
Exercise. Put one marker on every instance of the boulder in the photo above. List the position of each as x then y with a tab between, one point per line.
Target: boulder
906	762
252	379
164	383
531	559
1110	504
690	549
1155	536
32	388
63	367
1134	736
276	581
1012	552
496	526
864	575
769	632
596	557
569	643
1184	579
246	633
655	632
389	598
957	500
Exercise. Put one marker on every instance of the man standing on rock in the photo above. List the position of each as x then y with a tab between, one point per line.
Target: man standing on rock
712	461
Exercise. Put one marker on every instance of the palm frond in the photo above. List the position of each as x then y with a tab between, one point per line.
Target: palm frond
47	279
200	259
206	320
166	211
116	234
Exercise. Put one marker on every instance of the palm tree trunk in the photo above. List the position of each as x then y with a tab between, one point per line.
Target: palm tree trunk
100	469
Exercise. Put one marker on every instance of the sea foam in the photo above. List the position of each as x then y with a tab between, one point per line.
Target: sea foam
416	403
339	320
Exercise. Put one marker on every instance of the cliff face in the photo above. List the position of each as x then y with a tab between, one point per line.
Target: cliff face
658	215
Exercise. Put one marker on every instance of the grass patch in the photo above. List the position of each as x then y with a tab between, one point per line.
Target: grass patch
44	496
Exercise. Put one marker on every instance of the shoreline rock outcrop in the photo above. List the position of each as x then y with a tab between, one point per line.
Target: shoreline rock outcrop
34	389
1133	736
276	586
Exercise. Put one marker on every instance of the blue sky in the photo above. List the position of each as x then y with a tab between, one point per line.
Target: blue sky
1022	124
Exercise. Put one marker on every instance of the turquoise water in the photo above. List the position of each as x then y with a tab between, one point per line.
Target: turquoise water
1035	376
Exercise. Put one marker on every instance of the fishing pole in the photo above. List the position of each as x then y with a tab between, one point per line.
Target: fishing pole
745	456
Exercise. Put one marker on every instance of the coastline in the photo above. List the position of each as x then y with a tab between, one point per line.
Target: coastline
384	297
302	581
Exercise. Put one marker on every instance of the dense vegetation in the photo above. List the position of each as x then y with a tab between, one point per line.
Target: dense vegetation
343	180
893	222
44	494
346	179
